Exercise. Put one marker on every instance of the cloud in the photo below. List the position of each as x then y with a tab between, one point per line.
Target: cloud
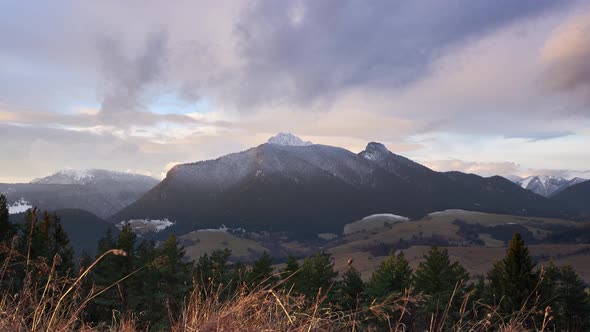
480	168
333	46
565	55
129	77
506	169
335	72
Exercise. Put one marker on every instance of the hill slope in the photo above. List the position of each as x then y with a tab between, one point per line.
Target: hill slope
83	228
576	197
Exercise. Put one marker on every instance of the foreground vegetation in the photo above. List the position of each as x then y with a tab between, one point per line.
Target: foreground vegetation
134	285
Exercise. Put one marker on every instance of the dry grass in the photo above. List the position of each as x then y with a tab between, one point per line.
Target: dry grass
48	302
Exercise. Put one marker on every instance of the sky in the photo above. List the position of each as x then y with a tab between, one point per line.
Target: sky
486	87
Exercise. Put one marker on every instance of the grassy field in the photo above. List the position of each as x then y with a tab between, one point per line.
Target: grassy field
360	245
198	243
442	224
477	259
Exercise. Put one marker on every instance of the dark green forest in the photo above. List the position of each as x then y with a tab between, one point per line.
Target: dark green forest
154	280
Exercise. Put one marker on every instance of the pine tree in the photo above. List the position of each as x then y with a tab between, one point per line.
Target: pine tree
7	230
144	288
47	239
548	286
440	280
317	275
261	273
393	276
513	279
61	246
176	272
212	270
573	311
112	269
290	274
351	290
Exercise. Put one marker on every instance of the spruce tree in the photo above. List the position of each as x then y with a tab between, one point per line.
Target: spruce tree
61	246
262	271
351	291
145	287
393	276
45	239
317	274
212	270
176	272
513	279
112	269
6	228
549	286
438	278
290	273
573	310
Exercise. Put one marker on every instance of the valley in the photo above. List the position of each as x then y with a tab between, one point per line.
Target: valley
292	197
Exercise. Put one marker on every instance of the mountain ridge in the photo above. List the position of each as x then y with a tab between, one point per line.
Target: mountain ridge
546	185
100	192
320	188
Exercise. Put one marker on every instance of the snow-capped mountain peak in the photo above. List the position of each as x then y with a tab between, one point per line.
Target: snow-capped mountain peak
92	176
546	185
288	139
374	151
67	176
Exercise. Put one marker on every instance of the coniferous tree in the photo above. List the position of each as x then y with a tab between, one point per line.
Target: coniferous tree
549	286
513	279
441	281
317	275
213	272
176	272
7	230
351	290
144	287
46	238
394	275
387	284
262	272
573	311
290	274
110	274
60	245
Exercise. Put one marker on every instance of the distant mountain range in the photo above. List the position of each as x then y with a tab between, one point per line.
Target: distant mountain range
292	185
288	184
100	192
547	186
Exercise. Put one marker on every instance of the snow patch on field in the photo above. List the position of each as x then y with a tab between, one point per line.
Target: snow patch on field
19	206
373	222
223	229
143	226
387	215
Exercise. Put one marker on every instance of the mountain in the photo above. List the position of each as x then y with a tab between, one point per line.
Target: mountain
289	186
513	178
547	185
441	191
100	192
576	197
83	228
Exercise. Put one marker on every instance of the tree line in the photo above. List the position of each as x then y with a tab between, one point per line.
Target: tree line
153	280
